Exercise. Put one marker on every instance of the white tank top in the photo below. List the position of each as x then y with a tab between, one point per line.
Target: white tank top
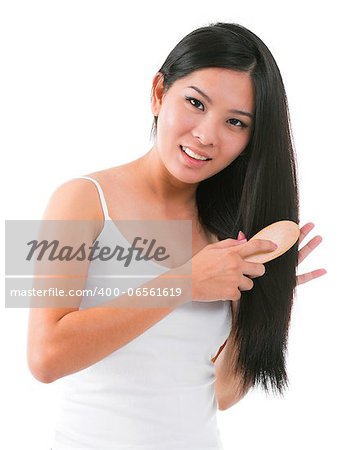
157	391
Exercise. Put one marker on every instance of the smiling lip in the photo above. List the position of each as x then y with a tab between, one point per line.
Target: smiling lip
191	162
195	150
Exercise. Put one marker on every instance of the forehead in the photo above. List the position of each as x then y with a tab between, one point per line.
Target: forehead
224	86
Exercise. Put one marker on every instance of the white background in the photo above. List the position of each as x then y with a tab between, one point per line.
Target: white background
75	98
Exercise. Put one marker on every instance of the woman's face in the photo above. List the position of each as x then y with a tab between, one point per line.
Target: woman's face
210	111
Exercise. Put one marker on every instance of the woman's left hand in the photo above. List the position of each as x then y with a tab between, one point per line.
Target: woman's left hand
304	252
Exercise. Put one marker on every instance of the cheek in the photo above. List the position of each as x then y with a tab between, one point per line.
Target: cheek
239	142
175	118
235	145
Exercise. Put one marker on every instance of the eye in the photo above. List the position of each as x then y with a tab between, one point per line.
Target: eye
196	103
237	123
193	101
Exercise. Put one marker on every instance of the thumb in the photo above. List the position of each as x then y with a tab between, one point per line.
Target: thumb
230	242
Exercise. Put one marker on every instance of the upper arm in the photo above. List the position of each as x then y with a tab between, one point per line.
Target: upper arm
76	201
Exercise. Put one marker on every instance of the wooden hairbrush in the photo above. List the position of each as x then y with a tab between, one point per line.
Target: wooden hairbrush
284	233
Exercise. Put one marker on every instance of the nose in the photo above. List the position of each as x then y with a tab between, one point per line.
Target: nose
206	132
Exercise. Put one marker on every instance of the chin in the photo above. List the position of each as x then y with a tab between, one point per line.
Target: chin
191	178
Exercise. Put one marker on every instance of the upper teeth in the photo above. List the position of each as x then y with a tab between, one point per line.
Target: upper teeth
193	155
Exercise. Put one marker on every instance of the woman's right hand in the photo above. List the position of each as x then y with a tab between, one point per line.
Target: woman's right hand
220	270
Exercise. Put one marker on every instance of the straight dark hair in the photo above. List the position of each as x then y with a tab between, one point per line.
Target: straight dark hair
258	188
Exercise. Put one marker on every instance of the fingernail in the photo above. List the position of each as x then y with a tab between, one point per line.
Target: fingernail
240	233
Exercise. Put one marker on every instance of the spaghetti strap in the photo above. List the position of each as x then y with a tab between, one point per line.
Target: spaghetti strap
101	197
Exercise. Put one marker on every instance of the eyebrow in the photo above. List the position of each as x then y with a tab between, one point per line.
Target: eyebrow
236	111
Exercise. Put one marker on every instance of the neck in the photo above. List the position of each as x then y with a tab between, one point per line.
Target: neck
163	186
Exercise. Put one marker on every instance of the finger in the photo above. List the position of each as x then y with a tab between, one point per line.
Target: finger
229	243
245	284
305	230
305	277
253	270
308	248
256	246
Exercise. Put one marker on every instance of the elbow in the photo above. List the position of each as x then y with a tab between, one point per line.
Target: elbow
42	369
41	374
226	402
224	405
221	406
228	397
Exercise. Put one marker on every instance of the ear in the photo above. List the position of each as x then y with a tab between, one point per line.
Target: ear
157	93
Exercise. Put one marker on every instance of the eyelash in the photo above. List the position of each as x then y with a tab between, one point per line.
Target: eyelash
243	125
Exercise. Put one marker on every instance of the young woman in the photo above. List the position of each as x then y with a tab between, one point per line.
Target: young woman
152	378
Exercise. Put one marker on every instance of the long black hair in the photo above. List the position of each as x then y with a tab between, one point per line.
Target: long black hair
258	188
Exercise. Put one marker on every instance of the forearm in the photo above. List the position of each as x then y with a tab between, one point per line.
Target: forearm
84	337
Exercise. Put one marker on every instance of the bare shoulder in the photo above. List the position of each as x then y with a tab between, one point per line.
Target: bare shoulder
76	199
71	200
